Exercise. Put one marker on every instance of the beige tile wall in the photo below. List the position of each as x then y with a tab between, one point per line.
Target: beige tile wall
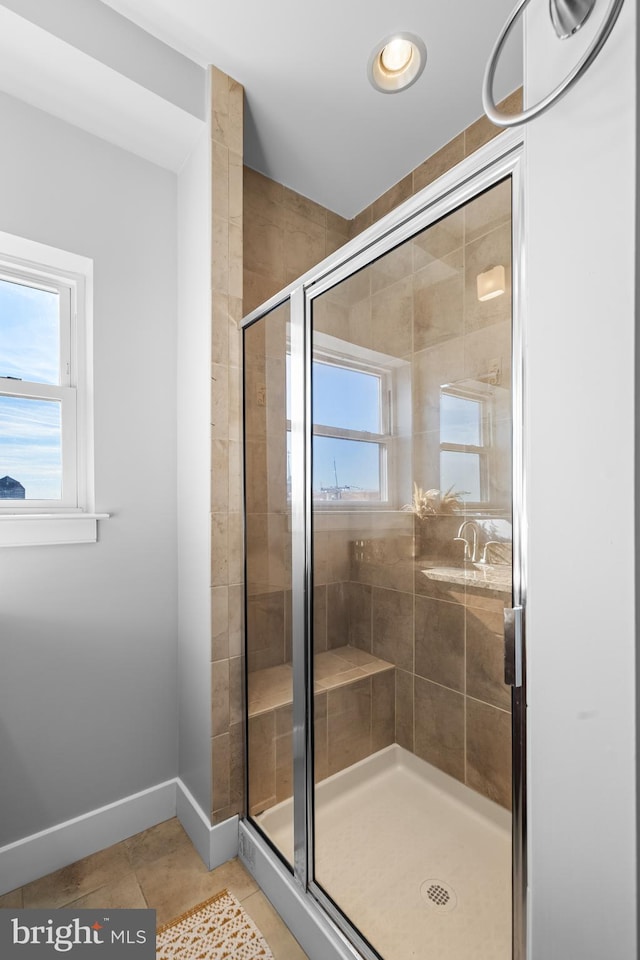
354	717
227	714
351	722
268	589
452	706
264	236
285	235
268	558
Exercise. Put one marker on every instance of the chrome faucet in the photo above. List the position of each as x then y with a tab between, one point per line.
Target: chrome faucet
470	548
485	552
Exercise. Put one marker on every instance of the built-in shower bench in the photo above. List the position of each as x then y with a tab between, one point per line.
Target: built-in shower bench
354	705
273	687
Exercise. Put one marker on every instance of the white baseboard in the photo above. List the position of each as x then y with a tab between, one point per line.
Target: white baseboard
215	844
49	850
42	853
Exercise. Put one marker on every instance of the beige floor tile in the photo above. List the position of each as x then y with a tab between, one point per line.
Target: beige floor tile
176	882
78	879
160	869
283	944
12	899
122	894
233	877
156	842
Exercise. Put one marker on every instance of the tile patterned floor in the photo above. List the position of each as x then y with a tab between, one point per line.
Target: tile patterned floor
158	868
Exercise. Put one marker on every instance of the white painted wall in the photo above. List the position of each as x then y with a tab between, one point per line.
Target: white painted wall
104	34
581	261
194	470
88	690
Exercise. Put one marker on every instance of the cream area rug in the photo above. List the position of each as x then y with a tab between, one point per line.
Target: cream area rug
218	929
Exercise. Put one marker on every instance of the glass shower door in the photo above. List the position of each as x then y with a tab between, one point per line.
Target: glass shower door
411	571
268	552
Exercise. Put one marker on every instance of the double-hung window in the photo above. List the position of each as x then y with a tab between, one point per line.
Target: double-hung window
465	442
45	415
38	396
354	393
351	412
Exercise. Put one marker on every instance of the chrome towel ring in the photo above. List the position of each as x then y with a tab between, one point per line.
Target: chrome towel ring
567	17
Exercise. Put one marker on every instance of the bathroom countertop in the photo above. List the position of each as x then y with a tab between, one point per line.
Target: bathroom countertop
486	576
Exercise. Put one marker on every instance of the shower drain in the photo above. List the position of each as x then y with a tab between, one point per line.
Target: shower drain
439	895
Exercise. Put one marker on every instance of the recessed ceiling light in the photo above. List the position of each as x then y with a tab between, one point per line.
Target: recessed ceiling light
396	55
396	62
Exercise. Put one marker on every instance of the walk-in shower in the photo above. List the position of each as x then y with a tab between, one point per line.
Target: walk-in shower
383	503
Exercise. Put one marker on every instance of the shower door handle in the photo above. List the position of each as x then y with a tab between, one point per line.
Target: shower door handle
513	645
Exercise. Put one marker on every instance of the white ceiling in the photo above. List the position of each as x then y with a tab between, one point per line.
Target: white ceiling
312	121
56	76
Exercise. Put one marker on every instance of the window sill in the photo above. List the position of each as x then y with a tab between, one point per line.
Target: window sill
42	529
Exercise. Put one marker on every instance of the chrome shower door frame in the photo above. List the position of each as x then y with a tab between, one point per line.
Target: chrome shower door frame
500	158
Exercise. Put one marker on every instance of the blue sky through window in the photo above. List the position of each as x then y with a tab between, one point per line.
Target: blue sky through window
460	420
353	464
346	399
461	471
30	431
30	446
29	333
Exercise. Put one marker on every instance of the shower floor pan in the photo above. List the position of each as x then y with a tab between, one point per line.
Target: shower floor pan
418	862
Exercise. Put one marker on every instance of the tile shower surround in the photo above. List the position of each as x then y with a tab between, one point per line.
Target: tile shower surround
227	715
242	279
354	709
449	703
451	706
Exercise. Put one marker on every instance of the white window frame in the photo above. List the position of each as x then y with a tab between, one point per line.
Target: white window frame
383	439
482	450
72	519
395	374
